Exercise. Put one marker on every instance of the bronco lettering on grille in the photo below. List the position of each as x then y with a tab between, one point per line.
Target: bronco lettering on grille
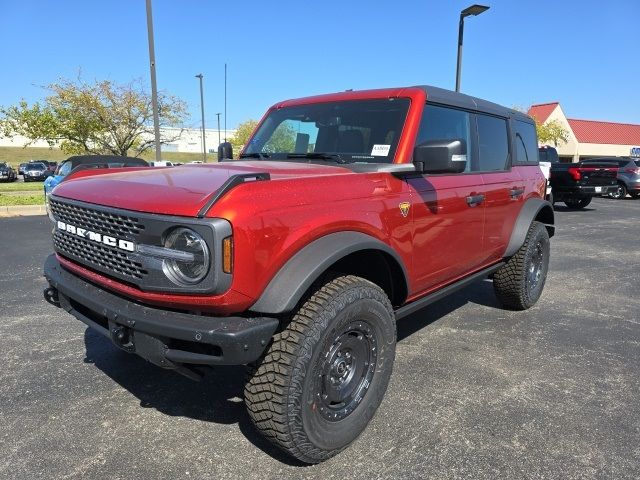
97	237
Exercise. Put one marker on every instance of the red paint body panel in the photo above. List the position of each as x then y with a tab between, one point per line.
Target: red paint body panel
272	220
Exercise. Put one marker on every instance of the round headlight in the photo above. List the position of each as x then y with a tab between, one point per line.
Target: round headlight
195	265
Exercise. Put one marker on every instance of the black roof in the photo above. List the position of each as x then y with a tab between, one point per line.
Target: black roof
461	100
105	159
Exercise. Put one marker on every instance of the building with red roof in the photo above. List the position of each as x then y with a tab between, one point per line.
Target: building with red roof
588	138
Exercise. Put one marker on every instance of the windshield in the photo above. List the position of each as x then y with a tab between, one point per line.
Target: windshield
35	166
3	165
345	131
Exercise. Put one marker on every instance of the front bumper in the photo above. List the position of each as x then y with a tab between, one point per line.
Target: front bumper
166	338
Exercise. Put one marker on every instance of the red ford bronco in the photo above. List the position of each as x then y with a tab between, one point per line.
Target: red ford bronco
345	213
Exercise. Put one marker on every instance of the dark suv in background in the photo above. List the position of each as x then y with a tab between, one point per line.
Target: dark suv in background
628	175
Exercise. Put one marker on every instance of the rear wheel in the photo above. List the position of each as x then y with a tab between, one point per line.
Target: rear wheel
577	203
519	283
620	192
322	379
634	194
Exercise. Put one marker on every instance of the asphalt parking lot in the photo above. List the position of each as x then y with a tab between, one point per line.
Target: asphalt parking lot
477	392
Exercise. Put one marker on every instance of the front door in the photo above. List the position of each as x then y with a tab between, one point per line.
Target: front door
448	210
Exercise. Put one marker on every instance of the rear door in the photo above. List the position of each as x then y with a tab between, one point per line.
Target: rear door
504	187
448	209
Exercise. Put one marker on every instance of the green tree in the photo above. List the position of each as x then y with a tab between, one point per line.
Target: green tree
241	137
552	132
98	118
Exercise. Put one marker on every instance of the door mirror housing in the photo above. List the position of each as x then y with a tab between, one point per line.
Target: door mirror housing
440	156
225	151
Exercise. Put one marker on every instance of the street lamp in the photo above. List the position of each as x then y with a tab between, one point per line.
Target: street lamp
218	115
467	12
204	144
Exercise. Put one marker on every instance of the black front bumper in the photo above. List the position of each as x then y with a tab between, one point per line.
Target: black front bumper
168	339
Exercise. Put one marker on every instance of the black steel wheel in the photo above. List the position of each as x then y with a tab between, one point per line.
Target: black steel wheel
324	376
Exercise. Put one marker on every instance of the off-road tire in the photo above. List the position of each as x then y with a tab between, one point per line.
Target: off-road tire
513	283
282	393
577	203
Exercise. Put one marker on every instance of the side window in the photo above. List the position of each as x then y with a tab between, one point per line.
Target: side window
493	144
443	123
526	142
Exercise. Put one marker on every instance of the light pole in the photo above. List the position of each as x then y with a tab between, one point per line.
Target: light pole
218	115
204	143
472	10
154	88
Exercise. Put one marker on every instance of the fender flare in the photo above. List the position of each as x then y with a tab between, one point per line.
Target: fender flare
527	215
294	278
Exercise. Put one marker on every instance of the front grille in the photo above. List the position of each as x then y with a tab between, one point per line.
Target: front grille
107	223
97	255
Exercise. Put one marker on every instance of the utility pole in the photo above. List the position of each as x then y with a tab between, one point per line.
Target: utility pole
204	144
218	115
225	102
154	88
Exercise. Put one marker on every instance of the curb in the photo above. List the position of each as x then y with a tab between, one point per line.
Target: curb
22	210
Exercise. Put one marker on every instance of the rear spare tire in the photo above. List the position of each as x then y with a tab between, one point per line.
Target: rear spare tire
323	377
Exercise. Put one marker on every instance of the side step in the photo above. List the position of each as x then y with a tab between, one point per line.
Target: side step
445	291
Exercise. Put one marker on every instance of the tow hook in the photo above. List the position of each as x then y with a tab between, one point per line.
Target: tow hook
122	337
51	296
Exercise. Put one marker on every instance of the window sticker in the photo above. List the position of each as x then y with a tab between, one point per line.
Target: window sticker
380	150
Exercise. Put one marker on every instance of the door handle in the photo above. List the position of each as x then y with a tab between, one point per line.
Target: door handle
473	200
516	192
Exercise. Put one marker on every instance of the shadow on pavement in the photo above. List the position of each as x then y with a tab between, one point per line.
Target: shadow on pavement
218	397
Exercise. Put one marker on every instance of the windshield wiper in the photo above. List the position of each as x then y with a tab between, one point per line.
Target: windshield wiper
259	155
318	156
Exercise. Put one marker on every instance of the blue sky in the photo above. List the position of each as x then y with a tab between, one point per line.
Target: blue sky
583	54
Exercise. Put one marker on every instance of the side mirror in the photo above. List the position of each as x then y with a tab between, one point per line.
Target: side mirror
225	151
440	156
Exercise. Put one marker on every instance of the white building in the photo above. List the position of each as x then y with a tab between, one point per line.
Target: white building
189	140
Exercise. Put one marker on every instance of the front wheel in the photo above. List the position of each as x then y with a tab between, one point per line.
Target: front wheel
577	203
323	377
519	283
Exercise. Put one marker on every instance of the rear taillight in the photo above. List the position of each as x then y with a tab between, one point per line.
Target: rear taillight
633	170
575	173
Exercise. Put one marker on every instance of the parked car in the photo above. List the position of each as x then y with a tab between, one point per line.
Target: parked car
78	162
628	175
299	259
21	168
7	173
161	163
576	184
36	171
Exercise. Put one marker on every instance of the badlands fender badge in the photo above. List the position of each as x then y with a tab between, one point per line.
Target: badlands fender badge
404	208
125	245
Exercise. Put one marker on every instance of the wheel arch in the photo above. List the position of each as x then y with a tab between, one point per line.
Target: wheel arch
534	210
352	253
